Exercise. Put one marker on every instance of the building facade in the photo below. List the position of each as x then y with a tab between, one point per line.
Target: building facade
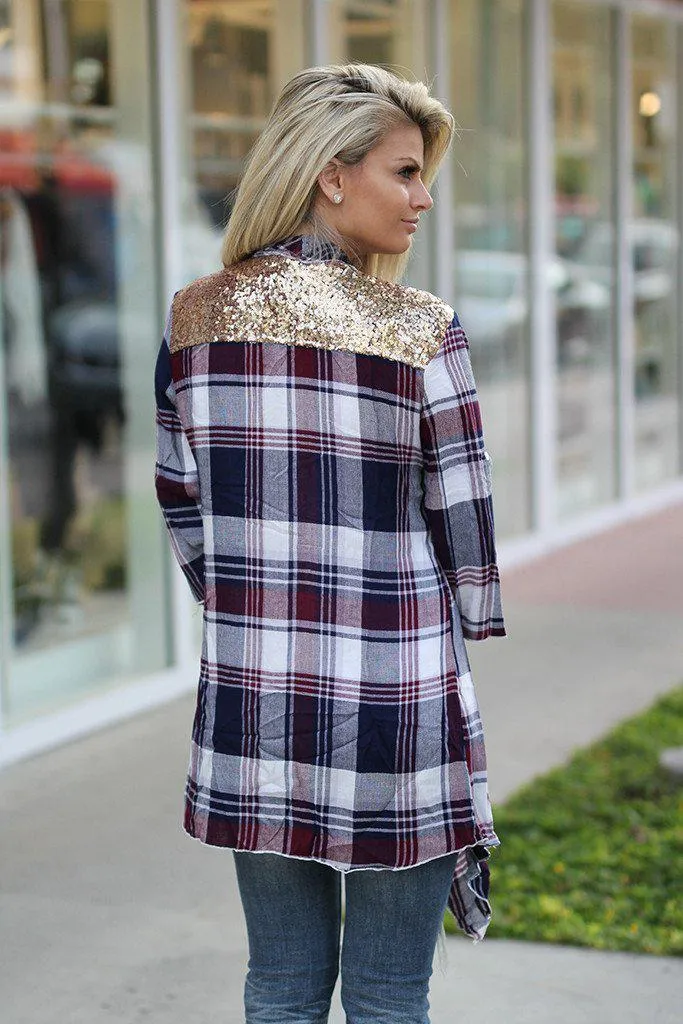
124	126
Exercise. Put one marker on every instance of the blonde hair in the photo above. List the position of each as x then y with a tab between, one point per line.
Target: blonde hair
343	111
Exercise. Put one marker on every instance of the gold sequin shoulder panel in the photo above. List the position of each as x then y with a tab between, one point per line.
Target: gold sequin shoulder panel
325	304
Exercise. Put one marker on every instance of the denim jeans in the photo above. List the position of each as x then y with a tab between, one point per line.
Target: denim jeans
292	910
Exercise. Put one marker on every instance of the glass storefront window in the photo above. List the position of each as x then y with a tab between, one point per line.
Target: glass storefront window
490	288
377	32
240	53
655	248
83	587
583	285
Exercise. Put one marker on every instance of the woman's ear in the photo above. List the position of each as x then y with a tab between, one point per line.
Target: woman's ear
329	179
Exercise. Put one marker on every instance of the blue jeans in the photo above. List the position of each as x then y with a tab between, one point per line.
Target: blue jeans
392	922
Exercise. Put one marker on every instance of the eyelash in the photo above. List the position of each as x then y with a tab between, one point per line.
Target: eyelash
409	169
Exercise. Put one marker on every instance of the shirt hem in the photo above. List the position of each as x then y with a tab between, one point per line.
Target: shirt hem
487	843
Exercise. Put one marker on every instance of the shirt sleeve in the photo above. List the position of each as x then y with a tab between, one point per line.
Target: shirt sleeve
458	502
176	478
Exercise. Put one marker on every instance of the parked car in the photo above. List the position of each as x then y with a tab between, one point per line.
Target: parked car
653	244
492	301
654	249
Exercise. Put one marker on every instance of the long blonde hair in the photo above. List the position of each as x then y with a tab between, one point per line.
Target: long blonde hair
340	110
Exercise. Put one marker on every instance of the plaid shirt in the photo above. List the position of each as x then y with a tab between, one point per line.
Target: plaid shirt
331	507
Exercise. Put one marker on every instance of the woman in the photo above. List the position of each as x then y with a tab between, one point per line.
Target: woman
323	475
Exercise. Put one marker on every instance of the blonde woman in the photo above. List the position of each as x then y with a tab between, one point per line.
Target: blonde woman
323	475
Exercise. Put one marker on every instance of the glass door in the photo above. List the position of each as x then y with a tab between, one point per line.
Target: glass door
84	601
583	272
490	238
238	54
655	251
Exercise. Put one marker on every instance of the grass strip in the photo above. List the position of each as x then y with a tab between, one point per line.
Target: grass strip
591	852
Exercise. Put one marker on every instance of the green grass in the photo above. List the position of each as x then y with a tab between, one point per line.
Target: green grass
591	854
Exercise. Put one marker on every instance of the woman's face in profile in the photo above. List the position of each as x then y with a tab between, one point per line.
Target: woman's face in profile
383	195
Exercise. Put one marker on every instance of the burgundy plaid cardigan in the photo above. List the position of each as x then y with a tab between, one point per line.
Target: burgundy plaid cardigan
322	472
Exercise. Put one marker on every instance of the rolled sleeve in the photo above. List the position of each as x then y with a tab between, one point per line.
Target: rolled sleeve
458	501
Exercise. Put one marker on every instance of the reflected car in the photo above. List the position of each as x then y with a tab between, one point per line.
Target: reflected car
653	244
654	248
493	302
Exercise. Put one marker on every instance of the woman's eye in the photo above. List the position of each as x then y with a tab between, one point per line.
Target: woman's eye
407	172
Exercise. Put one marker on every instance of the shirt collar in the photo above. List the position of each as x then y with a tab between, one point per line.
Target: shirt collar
308	248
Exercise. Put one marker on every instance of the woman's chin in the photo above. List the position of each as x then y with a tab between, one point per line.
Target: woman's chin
396	248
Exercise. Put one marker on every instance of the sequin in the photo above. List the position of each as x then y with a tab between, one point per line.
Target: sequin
325	304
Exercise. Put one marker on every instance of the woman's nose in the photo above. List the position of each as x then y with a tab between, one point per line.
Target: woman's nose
422	200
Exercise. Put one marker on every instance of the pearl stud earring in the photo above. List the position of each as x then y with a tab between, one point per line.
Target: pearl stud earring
337	197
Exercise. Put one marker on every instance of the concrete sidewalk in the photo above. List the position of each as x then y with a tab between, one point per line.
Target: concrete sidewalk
109	913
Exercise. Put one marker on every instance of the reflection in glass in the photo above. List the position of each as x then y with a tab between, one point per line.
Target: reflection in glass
240	54
375	33
490	289
62	312
584	299
61	339
655	249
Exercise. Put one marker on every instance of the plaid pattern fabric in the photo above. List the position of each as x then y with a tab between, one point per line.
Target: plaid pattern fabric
333	512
